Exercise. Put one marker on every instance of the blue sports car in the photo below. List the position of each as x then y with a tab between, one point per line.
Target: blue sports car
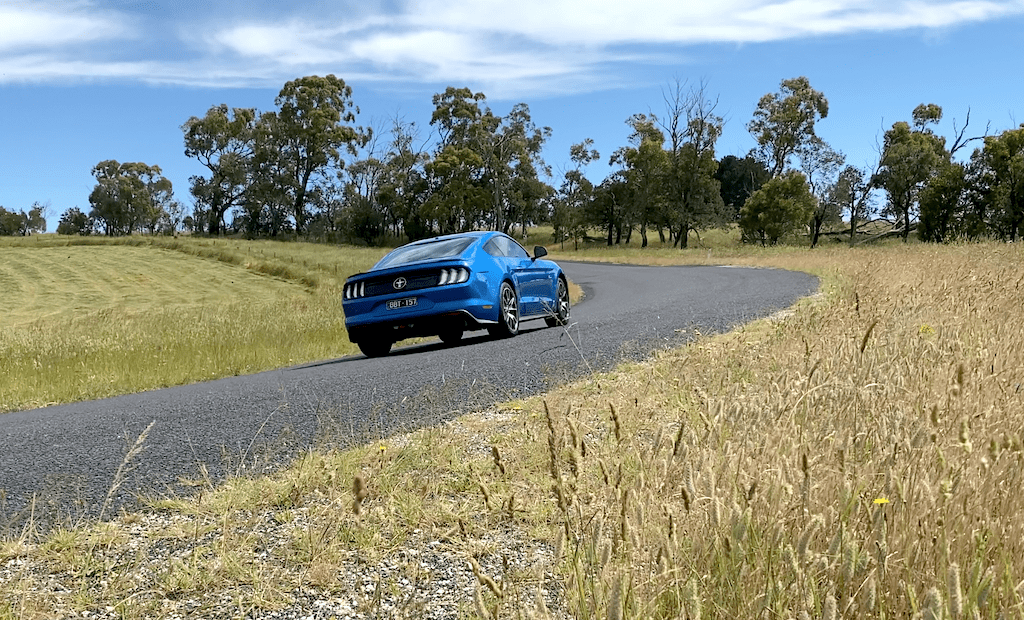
448	285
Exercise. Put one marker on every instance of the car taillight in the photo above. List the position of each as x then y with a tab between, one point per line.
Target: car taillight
355	290
456	275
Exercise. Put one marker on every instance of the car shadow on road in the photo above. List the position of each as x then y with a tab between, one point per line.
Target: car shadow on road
414	349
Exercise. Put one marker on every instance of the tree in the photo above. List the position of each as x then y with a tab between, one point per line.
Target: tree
224	144
783	122
459	198
820	164
644	168
943	206
10	223
20	223
693	196
404	186
307	135
1002	161
782	206
910	156
739	178
575	195
852	192
610	208
509	149
128	197
74	222
512	157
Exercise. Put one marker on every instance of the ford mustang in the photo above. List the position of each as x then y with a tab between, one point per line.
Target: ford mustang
448	285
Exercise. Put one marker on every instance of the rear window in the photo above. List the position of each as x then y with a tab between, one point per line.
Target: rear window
431	250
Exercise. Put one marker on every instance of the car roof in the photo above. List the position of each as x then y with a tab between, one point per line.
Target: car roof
472	233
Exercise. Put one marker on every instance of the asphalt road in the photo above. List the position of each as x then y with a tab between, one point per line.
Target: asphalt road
61	461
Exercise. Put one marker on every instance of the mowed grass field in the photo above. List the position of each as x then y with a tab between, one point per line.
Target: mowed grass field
859	457
89	318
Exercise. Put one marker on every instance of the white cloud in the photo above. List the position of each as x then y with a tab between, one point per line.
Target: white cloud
532	45
41	26
294	43
598	23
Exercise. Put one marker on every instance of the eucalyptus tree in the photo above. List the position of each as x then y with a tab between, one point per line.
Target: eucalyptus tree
693	197
308	136
508	149
645	165
782	206
610	209
739	178
128	197
74	222
1002	162
20	223
852	192
459	199
267	205
404	185
783	122
821	164
944	208
349	201
910	157
575	195
224	143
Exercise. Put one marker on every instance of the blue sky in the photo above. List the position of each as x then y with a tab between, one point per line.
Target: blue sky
86	81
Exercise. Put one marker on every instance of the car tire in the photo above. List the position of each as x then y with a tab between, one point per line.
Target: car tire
375	347
561	314
508	313
451	336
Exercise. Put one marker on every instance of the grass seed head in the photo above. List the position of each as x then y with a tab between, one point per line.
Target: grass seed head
956	597
496	455
679	439
870	594
359	493
618	425
615	599
828	609
932	605
691	599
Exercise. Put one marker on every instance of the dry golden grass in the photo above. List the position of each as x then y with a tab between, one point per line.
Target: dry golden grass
845	462
859	458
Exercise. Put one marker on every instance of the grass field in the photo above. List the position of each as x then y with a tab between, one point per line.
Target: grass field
89	318
85	318
861	457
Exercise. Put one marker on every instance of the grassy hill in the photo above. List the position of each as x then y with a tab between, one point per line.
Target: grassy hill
89	318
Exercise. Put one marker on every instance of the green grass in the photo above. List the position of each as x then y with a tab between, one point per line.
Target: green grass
90	318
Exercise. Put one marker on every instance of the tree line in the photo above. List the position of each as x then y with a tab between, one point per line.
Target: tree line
305	169
20	223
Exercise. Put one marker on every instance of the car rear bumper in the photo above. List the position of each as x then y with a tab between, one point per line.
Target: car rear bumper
463	306
417	327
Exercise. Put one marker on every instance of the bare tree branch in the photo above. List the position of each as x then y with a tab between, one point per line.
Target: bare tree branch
960	142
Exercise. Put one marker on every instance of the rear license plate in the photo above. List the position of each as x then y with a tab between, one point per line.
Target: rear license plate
395	304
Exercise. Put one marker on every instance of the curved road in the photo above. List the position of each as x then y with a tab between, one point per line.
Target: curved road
67	456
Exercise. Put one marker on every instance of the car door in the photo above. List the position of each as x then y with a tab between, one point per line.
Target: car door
532	280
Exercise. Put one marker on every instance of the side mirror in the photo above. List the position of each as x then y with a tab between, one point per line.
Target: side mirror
539	251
